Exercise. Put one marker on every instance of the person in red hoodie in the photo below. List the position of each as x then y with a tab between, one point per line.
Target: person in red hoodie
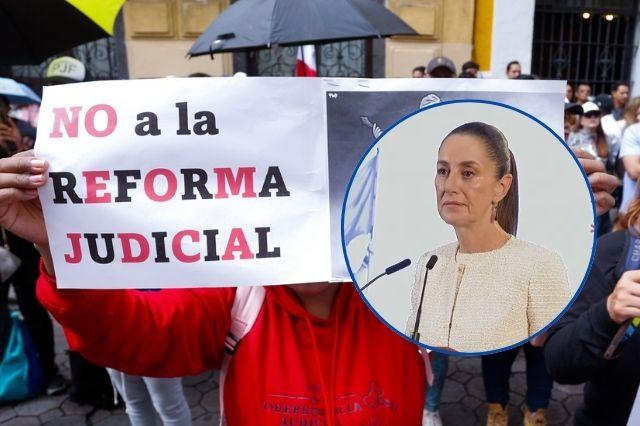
316	355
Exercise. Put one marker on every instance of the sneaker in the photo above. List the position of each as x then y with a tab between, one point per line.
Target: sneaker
537	418
57	385
431	418
497	415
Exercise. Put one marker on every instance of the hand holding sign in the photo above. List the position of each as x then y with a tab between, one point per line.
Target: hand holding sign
20	210
157	183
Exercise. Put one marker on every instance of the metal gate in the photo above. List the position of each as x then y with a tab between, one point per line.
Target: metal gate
345	59
584	40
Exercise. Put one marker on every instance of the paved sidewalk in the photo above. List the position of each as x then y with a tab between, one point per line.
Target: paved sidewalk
461	400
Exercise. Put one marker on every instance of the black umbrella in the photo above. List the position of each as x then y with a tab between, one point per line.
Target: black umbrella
33	30
255	24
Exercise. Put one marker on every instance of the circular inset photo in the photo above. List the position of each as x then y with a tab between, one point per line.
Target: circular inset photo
468	227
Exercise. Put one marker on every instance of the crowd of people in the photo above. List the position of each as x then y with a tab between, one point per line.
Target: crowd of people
604	131
180	332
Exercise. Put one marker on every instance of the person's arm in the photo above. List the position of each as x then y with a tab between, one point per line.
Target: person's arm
548	291
574	351
165	333
630	152
632	165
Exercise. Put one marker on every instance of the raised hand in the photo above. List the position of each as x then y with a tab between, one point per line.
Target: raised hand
20	210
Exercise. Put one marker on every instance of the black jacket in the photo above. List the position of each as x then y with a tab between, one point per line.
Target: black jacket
574	350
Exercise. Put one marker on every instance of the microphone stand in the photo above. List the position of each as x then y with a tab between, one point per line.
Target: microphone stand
416	335
373	280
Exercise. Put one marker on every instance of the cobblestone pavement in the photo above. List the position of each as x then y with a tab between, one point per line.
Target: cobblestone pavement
461	400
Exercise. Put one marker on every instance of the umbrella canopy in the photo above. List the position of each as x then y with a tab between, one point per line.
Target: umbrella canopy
254	24
33	30
17	93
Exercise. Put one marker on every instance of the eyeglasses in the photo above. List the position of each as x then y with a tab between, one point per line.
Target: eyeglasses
591	114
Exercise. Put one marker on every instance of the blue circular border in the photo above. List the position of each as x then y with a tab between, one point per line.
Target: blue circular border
344	246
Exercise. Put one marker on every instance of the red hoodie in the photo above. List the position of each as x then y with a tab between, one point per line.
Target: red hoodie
291	369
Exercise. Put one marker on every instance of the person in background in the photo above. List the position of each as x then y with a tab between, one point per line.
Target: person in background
11	140
469	70
24	280
604	102
439	367
513	69
25	129
583	93
496	371
620	97
144	396
572	111
441	67
614	128
418	72
568	96
198	74
590	137
630	156
631	114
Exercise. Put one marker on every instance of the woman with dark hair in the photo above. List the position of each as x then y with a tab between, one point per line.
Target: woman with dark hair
590	137
489	289
524	286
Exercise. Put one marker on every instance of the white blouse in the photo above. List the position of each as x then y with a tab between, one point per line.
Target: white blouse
477	302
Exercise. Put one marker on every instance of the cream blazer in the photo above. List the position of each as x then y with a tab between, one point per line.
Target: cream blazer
477	302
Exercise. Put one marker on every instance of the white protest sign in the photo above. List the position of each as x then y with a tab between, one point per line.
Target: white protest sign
222	181
186	182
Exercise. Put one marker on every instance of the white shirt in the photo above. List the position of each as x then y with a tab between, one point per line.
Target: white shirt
630	146
477	302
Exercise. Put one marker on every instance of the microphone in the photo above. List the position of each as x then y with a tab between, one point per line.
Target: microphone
395	268
390	270
430	264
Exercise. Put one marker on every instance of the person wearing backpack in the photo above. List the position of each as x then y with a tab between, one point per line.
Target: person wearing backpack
579	348
312	354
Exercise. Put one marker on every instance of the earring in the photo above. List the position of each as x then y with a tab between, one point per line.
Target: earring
494	211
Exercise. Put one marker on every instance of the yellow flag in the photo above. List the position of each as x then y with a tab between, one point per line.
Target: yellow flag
102	12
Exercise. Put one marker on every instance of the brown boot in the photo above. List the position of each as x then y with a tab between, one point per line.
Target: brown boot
497	415
537	418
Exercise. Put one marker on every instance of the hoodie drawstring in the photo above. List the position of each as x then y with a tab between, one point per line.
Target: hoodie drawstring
334	355
327	399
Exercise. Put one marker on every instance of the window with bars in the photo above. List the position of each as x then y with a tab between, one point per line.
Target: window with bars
343	59
584	41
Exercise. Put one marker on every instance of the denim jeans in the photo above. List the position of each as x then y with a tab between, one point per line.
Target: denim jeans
142	394
439	366
496	371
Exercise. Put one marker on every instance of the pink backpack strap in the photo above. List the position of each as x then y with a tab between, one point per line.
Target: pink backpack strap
424	353
246	307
